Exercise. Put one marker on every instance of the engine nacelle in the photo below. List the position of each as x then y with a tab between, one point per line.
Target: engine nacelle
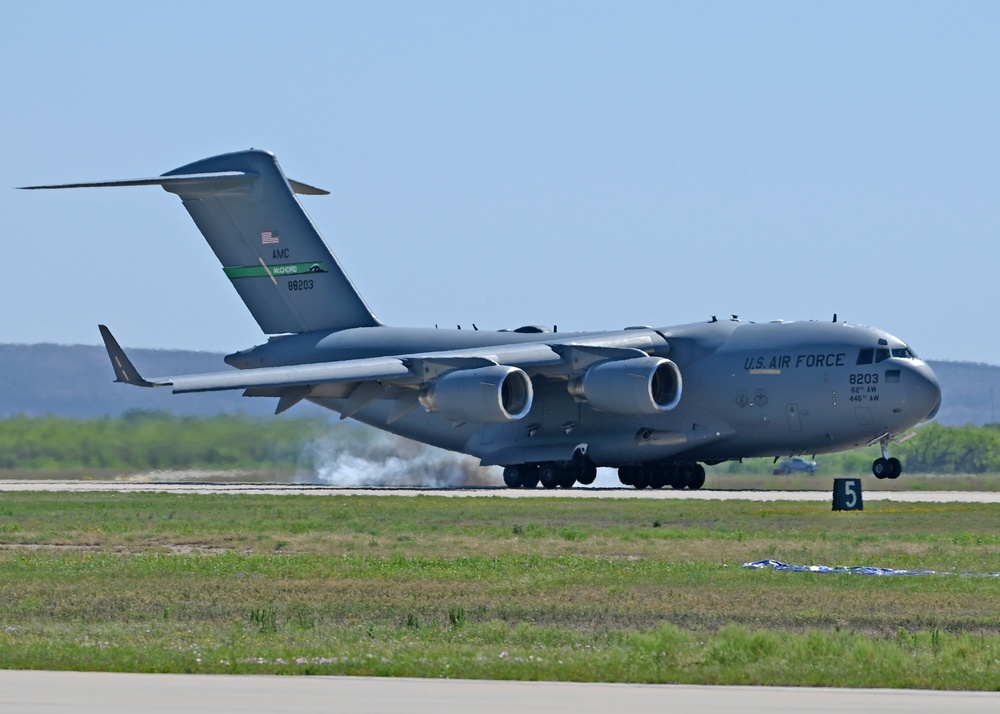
487	395
643	385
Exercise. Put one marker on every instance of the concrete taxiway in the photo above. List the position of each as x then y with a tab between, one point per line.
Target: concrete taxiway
116	693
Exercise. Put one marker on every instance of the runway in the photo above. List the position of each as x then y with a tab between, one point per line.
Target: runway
115	693
152	486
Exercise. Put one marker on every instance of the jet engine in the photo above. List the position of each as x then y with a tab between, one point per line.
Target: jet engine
643	385
487	395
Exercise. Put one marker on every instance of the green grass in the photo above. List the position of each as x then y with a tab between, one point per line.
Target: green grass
429	586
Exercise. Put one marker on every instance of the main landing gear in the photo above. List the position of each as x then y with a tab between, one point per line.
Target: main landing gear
885	467
657	474
564	474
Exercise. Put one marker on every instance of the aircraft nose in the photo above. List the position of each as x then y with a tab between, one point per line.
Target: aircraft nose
923	391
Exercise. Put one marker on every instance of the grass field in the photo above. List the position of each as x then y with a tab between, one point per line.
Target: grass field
530	589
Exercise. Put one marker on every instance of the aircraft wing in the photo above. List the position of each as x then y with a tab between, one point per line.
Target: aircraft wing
458	375
401	369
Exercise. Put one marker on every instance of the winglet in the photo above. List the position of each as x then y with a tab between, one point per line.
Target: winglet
124	370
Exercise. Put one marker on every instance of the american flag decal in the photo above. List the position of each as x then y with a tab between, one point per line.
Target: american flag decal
269	237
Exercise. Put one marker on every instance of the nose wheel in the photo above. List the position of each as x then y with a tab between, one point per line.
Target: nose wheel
886	467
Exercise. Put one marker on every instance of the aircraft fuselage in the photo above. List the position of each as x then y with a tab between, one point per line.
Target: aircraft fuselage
749	389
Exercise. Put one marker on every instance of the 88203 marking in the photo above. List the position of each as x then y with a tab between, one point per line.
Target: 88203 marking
300	285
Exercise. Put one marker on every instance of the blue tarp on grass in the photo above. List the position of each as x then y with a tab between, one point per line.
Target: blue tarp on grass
850	570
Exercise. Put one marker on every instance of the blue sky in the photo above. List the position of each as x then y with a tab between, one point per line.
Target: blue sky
591	165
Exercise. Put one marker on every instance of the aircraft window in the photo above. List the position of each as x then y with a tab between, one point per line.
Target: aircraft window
881	354
903	352
866	355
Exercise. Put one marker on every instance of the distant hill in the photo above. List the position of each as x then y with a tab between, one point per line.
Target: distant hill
77	381
971	392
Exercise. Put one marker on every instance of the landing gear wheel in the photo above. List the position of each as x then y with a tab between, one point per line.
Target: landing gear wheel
634	475
656	475
587	474
529	476
683	473
697	478
512	476
549	475
567	476
886	467
627	475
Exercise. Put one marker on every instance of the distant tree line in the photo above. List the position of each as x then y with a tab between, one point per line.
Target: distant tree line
934	449
953	449
142	439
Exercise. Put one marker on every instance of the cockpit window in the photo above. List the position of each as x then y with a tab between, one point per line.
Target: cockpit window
867	355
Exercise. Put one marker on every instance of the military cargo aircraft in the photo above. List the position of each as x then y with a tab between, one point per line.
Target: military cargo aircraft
654	402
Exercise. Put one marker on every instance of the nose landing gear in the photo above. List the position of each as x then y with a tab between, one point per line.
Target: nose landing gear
886	467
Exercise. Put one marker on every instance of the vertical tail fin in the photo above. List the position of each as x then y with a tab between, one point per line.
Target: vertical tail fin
269	248
276	259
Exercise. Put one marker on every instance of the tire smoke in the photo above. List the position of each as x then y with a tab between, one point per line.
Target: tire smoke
379	459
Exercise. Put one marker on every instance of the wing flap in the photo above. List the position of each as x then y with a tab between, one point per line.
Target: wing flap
359	370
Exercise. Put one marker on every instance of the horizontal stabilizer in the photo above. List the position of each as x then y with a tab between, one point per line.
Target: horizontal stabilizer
217	179
307	190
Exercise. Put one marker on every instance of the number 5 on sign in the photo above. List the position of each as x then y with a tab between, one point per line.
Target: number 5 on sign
847	494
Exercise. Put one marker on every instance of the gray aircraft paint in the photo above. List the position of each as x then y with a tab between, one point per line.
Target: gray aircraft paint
746	389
